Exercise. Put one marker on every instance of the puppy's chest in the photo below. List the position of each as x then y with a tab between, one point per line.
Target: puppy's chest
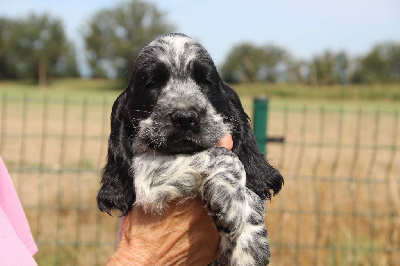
159	179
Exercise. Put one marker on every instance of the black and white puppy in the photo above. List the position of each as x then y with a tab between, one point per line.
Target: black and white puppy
164	129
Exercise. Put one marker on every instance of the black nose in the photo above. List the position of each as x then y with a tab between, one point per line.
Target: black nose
185	120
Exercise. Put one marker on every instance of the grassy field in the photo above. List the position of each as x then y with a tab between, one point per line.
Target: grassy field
376	92
341	161
80	87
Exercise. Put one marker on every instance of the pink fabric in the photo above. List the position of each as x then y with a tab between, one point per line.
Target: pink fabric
16	242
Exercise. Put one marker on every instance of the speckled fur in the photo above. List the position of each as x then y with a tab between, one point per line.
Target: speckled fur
219	177
151	162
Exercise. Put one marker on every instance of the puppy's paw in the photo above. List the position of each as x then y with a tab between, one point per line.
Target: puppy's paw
223	191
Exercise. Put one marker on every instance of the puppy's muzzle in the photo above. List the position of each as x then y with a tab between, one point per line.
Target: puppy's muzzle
185	120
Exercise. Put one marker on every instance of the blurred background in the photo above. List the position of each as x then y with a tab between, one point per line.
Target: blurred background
330	70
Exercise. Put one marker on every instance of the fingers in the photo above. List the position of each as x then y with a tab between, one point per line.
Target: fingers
226	142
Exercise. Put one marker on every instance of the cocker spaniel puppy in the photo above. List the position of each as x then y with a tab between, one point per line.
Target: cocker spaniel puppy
164	129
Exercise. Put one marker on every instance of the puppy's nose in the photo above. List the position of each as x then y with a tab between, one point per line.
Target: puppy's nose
185	120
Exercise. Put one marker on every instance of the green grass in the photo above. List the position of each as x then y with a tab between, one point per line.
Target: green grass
384	97
73	88
388	92
295	96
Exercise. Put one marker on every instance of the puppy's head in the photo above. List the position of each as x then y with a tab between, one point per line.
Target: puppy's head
171	85
176	103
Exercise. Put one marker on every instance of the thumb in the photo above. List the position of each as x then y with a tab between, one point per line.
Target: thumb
226	142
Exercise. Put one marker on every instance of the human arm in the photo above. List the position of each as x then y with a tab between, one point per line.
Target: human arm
183	234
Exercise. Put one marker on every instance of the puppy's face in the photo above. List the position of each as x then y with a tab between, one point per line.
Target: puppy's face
174	81
176	103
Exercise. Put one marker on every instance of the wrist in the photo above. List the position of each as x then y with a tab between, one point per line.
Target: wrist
123	258
132	256
145	254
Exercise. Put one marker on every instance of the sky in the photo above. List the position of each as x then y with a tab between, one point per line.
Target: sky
303	27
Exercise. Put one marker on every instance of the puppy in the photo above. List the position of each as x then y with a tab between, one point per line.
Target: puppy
164	129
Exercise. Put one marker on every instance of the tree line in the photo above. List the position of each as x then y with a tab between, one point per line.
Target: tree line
269	63
36	47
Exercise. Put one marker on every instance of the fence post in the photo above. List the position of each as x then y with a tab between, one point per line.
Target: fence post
260	117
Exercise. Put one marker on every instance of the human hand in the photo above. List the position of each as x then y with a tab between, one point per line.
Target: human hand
183	235
226	141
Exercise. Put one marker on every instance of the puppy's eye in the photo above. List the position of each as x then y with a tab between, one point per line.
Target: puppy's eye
199	72
202	73
155	75
159	75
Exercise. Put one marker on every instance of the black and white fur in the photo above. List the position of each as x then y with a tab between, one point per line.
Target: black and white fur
164	129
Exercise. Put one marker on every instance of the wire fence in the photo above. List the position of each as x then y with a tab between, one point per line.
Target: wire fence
340	204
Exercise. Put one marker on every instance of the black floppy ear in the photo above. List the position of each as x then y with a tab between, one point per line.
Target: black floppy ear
261	177
117	190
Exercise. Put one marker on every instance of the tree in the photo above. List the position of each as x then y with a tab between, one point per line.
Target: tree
242	64
275	64
66	65
114	37
322	68
297	71
380	65
329	68
32	47
7	69
249	63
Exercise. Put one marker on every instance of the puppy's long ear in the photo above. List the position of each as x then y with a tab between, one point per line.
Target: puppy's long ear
117	190
262	178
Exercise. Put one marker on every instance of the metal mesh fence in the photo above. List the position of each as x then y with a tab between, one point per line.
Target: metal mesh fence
340	204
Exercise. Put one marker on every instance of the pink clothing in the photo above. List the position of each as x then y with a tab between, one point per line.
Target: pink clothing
16	242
